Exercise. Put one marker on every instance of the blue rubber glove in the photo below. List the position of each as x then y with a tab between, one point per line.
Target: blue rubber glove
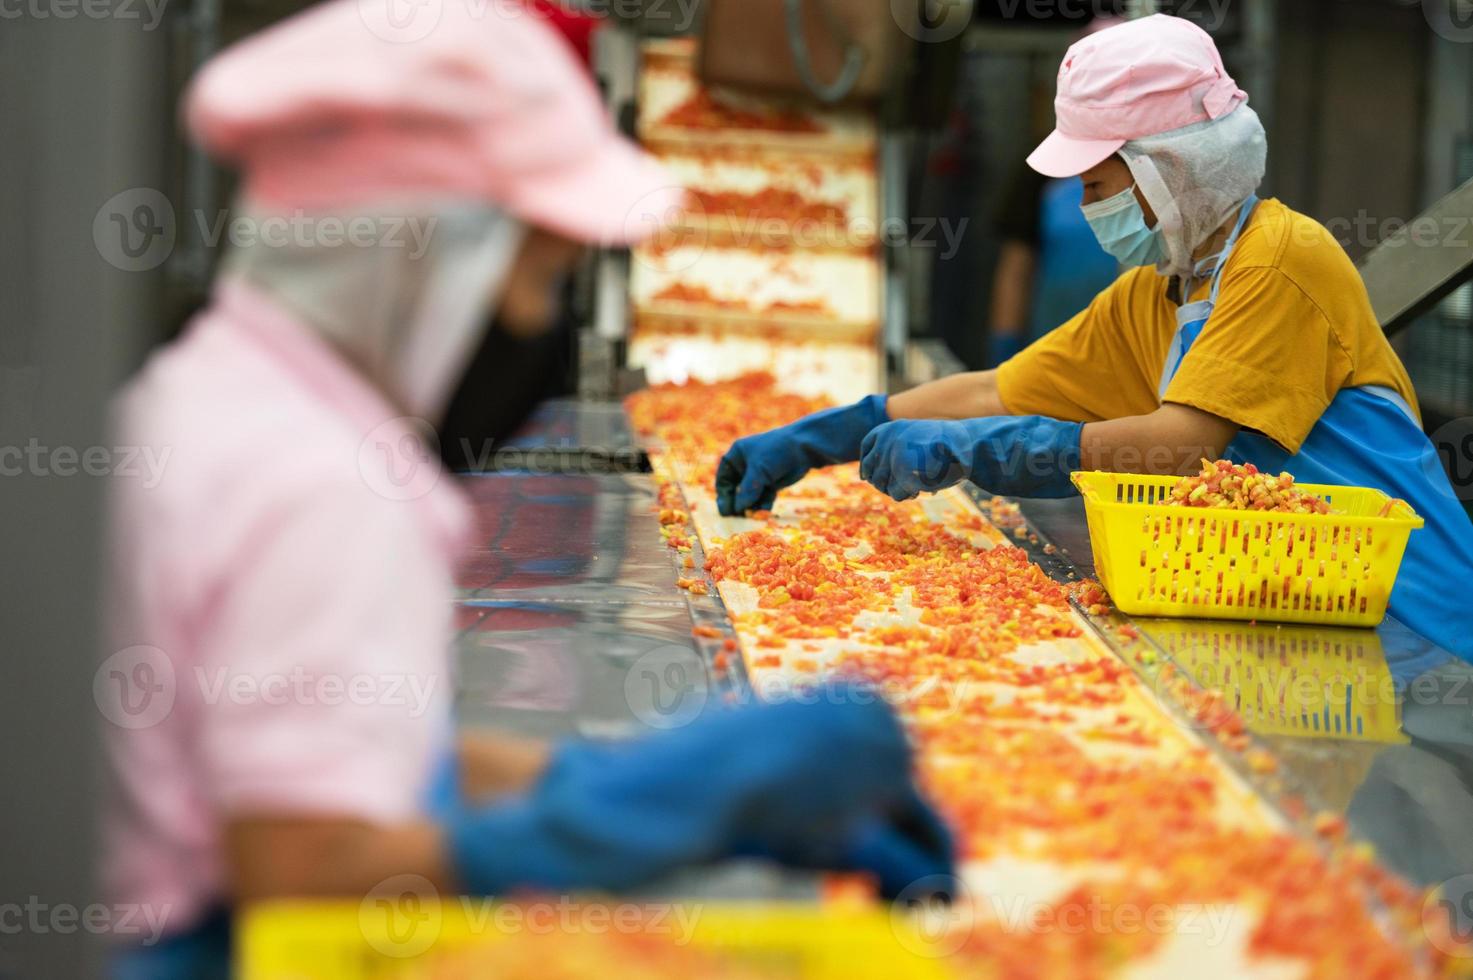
756	467
911	845
1022	455
821	785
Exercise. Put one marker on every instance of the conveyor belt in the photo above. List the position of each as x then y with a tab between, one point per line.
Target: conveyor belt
1257	810
583	630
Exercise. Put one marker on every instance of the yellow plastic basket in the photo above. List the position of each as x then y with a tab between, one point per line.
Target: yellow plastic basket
1159	560
458	938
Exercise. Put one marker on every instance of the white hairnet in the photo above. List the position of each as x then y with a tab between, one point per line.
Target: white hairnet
405	300
1195	178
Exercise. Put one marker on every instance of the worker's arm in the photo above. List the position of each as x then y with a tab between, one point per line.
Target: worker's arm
970	395
1171	441
1033	455
610	817
273	856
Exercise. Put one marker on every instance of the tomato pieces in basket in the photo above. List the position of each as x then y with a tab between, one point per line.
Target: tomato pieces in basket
1226	485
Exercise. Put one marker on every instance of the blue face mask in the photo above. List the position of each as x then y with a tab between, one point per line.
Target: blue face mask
1120	226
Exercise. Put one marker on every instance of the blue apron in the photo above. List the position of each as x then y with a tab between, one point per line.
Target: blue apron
1367	437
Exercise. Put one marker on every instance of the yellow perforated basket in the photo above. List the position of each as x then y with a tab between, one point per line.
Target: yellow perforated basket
1206	563
455	938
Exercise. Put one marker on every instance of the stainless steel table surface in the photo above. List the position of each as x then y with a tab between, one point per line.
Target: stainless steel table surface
570	624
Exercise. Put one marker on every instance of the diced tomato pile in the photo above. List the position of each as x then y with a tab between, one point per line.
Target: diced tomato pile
1035	746
698	422
771	203
680	292
1230	486
674	521
702	110
1091	595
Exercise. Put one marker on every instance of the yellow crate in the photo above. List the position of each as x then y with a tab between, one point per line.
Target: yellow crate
1159	560
1304	681
459	938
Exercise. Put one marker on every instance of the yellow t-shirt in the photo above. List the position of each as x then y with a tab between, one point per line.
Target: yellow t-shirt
1292	326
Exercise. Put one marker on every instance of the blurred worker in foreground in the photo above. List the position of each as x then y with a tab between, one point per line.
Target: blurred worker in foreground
282	609
1241	330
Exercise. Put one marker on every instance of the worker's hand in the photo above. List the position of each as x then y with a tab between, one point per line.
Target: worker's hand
754	781
1026	456
901	848
755	468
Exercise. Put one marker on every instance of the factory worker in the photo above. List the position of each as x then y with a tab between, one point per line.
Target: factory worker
279	698
1241	330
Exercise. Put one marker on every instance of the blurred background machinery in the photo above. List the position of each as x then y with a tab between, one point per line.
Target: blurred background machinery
1368	105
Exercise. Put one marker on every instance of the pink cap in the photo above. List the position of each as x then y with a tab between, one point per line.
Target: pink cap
1136	79
343	106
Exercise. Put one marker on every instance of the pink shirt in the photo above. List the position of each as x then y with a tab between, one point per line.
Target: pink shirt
281	618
